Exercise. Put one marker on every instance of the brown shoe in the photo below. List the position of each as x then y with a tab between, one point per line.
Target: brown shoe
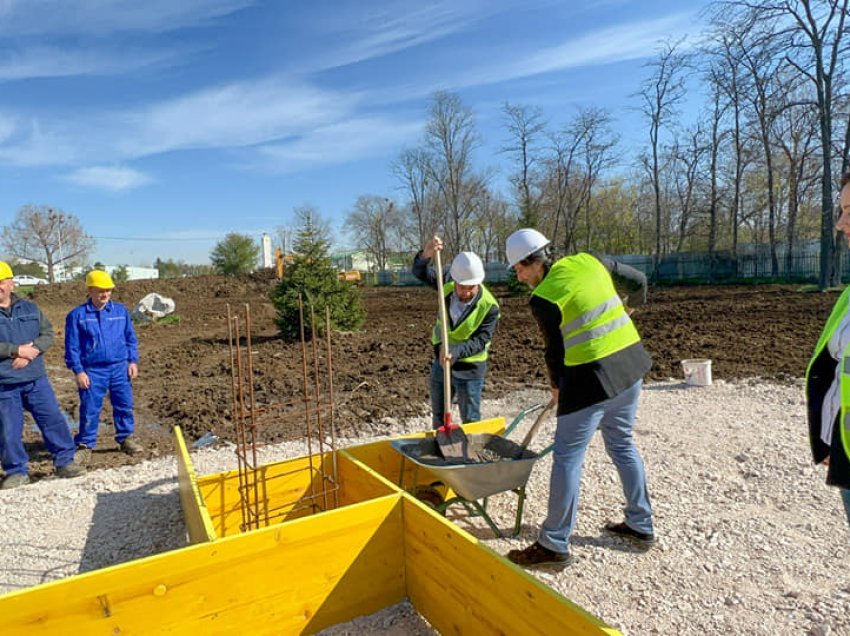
537	555
131	446
621	529
69	471
82	455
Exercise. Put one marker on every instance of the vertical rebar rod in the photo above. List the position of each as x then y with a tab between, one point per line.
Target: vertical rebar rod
331	399
307	416
318	396
234	399
252	414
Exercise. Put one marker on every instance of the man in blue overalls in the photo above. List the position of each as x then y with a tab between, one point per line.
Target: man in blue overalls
102	351
26	333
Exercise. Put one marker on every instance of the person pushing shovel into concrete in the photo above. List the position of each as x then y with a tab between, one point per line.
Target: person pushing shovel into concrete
473	314
596	364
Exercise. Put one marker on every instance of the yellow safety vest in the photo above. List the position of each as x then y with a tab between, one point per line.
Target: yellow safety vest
842	305
594	322
466	327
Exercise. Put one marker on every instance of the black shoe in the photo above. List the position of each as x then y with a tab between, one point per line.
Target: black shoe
623	530
537	555
69	471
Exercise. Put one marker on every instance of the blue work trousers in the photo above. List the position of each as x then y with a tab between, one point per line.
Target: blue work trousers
38	398
615	417
845	497
112	378
467	392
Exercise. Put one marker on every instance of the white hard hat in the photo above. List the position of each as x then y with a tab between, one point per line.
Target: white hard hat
523	243
467	269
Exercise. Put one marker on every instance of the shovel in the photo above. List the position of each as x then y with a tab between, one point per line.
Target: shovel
531	432
452	442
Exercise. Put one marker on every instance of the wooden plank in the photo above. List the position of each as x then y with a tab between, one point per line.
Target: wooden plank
358	482
296	578
462	587
198	522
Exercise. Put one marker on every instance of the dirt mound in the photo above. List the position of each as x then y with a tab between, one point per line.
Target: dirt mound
382	372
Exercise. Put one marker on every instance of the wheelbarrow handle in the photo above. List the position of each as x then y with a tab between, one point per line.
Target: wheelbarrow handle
521	416
528	436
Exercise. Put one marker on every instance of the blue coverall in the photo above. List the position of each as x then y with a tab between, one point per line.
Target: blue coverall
102	343
28	388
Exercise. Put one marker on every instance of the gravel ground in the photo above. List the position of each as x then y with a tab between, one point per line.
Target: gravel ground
750	538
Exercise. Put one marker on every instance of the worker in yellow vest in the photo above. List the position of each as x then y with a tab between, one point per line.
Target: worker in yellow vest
473	314
596	364
828	382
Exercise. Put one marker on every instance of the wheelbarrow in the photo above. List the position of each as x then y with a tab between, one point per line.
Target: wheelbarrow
497	465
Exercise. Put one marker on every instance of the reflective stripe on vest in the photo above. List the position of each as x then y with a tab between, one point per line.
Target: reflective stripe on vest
841	307
465	328
594	322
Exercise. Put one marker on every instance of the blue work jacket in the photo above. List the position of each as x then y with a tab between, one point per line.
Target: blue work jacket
99	337
21	323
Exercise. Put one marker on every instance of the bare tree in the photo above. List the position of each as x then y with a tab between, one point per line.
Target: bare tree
48	236
687	157
525	125
660	94
450	137
371	223
412	169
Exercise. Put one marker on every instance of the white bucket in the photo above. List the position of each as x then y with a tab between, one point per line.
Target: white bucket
697	371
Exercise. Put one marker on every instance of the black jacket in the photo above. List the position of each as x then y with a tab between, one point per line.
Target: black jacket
821	377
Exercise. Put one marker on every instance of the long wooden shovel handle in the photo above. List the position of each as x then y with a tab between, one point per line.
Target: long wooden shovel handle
528	436
444	333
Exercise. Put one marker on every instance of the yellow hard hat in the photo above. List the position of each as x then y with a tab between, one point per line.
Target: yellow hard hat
5	271
100	279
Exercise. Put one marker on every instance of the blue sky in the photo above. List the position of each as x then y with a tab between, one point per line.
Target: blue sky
165	124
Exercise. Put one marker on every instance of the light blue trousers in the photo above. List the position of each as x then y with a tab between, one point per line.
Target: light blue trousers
615	417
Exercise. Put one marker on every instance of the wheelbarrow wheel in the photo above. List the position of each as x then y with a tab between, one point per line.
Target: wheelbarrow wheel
430	496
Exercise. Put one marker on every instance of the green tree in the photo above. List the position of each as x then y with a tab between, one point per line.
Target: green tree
311	275
120	273
33	269
235	254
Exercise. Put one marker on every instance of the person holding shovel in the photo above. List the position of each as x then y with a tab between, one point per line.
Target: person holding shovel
473	314
596	364
828	382
102	350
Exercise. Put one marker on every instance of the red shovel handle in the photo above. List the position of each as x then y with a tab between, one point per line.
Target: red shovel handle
447	426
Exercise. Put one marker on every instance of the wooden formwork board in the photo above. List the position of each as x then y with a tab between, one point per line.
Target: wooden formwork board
198	522
298	577
461	586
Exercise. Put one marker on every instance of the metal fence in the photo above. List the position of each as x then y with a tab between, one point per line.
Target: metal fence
752	263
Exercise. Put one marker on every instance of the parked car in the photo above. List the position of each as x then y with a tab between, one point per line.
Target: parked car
26	279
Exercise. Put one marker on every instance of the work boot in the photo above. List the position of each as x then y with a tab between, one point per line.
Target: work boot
13	481
82	456
69	471
131	446
642	539
537	555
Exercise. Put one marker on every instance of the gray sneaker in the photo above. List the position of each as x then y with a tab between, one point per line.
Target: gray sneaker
13	481
82	455
68	471
131	446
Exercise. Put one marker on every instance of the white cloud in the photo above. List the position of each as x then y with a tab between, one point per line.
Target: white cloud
113	178
37	62
604	46
96	17
340	142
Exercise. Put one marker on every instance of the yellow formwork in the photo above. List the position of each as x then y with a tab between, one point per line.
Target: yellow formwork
374	548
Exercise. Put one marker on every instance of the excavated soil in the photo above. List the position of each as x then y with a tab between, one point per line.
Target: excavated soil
380	374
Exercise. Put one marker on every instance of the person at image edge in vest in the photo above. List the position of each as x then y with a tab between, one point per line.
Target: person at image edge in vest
828	382
473	314
596	364
26	333
102	351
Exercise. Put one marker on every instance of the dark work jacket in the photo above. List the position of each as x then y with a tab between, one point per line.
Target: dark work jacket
583	385
821	376
20	323
478	340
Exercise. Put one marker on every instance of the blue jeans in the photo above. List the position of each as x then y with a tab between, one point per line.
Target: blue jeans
38	398
845	497
467	392
615	417
112	378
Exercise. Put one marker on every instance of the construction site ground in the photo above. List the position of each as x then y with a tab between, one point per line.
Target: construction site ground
380	373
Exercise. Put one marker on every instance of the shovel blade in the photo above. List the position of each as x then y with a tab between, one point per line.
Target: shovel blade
452	443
